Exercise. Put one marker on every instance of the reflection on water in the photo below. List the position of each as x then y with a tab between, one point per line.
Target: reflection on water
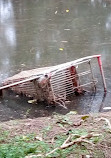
41	33
7	37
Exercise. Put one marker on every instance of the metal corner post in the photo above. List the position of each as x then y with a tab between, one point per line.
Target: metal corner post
102	73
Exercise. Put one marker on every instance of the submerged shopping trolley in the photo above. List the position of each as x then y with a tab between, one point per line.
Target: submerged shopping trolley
56	83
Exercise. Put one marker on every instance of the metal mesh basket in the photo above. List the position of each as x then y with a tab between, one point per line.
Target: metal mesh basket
54	84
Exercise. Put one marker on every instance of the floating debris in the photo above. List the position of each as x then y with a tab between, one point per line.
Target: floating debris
56	12
32	101
67	29
67	10
61	49
107	108
23	65
64	41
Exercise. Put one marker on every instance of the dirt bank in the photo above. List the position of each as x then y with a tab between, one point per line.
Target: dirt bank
64	125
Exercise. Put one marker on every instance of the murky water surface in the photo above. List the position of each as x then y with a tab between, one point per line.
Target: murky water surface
32	34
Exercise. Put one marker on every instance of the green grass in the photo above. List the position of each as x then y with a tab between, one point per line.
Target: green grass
21	146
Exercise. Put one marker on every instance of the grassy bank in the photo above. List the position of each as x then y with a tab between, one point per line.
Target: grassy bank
61	136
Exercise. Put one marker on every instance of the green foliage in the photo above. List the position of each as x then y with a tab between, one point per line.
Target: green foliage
46	130
77	150
98	153
27	113
63	119
96	139
21	146
79	132
3	135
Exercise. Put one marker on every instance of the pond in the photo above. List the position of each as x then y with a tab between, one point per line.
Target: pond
40	33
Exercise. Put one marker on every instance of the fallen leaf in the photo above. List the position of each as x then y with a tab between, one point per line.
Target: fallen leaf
67	10
72	113
39	138
24	137
84	117
17	96
61	49
32	101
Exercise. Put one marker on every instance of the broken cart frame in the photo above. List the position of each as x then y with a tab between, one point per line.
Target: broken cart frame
54	84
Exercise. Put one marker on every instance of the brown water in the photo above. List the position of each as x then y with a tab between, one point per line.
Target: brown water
32	34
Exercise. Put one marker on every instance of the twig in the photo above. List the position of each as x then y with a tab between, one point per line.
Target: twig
88	142
32	156
104	146
67	145
61	103
66	140
52	151
78	140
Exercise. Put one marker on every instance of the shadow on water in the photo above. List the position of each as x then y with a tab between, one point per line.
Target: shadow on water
102	102
40	33
13	106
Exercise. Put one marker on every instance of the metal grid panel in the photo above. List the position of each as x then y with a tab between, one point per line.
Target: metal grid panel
62	84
